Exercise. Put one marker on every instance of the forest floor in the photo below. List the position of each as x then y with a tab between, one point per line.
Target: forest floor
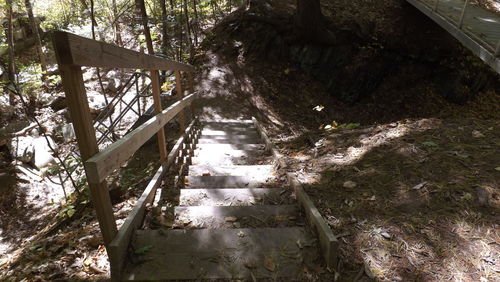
408	181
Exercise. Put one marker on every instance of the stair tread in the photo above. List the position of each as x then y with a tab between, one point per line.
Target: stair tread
221	253
215	216
229	132
229	140
231	170
222	147
229	196
254	181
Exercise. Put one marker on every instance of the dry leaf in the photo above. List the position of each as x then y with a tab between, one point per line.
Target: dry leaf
269	263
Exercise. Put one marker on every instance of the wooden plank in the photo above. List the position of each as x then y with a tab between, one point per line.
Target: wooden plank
85	135
327	241
190	80
155	83
117	249
269	145
103	163
81	51
180	94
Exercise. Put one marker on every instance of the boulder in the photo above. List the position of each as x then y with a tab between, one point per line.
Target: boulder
42	154
21	148
68	132
59	103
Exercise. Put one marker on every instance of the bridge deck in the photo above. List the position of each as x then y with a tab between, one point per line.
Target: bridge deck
479	29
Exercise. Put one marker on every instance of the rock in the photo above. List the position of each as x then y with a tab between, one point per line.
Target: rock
59	103
21	148
350	184
68	132
113	85
42	155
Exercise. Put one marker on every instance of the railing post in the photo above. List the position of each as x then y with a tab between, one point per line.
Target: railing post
461	21
180	95
155	83
436	6
72	79
191	90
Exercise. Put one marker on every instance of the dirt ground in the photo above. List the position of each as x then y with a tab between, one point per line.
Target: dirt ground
408	181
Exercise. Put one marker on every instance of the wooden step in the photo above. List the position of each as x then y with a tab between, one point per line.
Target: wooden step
254	181
223	147
229	161
261	253
229	132
213	217
235	170
230	197
230	139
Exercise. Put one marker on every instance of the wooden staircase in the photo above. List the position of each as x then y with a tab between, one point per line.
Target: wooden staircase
234	219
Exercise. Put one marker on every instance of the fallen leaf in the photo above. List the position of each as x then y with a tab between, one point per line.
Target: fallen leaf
349	184
419	186
269	263
497	168
319	108
385	235
477	134
250	264
230	219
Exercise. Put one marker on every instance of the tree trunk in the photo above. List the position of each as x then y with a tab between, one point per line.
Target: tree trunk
116	25
164	27
188	30
196	27
11	69
34	28
309	21
141	11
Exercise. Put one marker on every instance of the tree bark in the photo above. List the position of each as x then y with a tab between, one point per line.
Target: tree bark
309	21
116	24
164	27
141	11
34	28
188	30
11	69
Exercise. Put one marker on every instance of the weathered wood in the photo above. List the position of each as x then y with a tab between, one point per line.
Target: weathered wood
190	81
327	240
118	247
269	145
81	51
155	83
85	134
180	94
103	163
462	15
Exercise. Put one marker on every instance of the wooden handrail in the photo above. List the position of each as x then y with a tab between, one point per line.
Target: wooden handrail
75	50
103	163
118	247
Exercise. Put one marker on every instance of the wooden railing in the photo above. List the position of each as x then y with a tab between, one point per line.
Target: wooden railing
487	51
74	52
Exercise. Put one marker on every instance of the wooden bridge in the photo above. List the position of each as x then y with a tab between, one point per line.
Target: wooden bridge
475	27
223	185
